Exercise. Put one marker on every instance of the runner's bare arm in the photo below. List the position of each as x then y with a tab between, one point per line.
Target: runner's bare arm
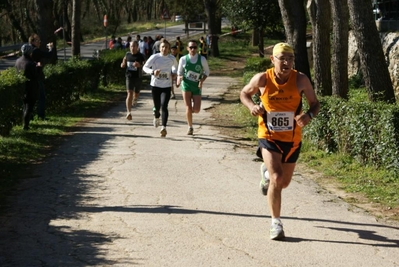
123	64
305	87
178	81
256	84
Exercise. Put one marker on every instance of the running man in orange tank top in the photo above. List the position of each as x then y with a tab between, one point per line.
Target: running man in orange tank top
280	122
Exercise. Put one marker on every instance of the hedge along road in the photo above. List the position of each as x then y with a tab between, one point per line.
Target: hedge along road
117	194
88	50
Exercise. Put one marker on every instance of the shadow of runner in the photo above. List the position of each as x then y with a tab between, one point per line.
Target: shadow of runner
171	209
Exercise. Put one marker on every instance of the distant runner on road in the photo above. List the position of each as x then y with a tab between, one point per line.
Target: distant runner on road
162	67
133	62
192	72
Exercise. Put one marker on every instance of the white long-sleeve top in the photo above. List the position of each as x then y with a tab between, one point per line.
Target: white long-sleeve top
167	66
193	59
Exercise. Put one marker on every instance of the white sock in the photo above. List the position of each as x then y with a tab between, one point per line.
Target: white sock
276	220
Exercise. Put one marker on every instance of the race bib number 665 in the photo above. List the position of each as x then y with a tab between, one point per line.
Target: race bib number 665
280	121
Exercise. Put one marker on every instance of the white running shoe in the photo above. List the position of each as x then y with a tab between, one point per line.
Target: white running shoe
156	122
129	116
190	131
277	231
264	181
163	132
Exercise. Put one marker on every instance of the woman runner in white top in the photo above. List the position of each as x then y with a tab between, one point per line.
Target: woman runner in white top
163	68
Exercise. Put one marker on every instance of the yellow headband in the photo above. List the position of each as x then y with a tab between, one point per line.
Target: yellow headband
282	48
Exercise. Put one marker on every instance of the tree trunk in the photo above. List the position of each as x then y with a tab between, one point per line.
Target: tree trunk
135	12
294	20
17	26
374	68
261	44
211	6
149	10
45	26
340	14
76	10
319	13
255	37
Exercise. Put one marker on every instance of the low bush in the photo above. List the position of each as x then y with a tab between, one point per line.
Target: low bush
257	64
65	83
367	131
12	88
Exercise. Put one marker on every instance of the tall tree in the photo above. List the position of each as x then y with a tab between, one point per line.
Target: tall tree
45	24
76	11
294	19
15	21
211	9
340	46
251	13
319	13
374	68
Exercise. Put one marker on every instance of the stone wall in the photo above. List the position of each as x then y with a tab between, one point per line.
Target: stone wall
390	45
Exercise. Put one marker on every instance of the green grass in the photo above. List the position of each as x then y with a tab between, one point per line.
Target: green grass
378	185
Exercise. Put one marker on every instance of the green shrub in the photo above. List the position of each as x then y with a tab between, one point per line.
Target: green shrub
65	83
12	89
112	71
367	131
248	76
257	64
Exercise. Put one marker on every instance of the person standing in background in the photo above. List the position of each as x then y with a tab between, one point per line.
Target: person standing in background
179	46
150	46
118	44
128	42
143	46
112	42
173	52
203	48
28	67
157	43
38	56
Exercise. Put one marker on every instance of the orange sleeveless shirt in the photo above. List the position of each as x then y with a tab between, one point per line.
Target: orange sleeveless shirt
282	103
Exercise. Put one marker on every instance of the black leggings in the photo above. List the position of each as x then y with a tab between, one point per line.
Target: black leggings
29	103
161	97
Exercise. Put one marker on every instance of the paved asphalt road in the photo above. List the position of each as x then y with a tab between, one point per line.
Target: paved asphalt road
117	194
